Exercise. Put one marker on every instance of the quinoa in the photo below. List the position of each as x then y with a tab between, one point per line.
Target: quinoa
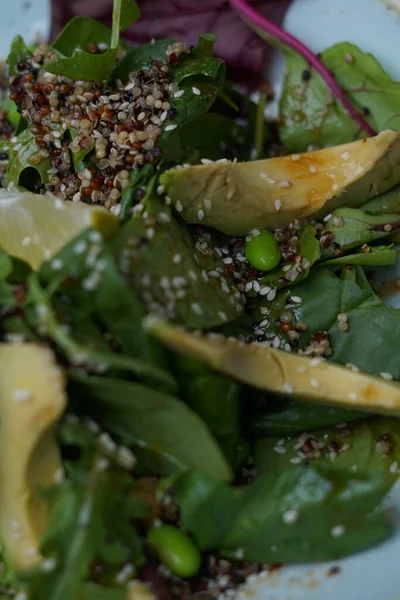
117	126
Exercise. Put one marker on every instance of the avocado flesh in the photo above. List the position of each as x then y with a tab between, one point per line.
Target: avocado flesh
313	380
238	197
32	399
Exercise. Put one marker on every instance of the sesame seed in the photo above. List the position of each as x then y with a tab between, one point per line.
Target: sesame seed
295	156
386	375
388	228
80	247
215	274
160	190
207	204
48	565
170	127
57	264
21	395
290	516
107	443
264	290
296	460
177	258
271	295
228	260
179	206
345	155
312	169
126	458
192	275
315	361
263	175
179	93
314	382
301	369
393	467
278	205
206	161
124	574
285	184
26	241
102	464
256	286
296	299
196	91
196	308
200	214
287	388
276	342
249	286
222	315
338	531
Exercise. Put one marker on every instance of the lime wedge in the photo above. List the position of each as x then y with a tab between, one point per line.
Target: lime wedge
34	228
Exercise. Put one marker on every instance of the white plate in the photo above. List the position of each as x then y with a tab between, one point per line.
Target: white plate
373	574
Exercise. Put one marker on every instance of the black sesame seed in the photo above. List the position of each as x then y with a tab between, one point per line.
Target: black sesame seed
306	75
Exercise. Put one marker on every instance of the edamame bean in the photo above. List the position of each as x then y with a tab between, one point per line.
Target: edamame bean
175	549
263	252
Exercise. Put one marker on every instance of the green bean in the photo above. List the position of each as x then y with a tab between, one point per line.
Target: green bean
175	549
262	251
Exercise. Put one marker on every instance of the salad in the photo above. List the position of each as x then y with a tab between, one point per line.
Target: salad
197	378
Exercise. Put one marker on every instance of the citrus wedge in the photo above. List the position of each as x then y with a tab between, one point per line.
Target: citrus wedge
34	228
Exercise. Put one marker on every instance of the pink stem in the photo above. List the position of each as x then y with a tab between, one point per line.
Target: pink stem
255	18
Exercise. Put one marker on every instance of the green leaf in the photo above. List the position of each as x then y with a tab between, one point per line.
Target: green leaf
387	203
268	415
252	520
22	169
371	336
130	13
75	62
141	56
215	398
358	227
176	274
18	52
310	115
377	255
168	436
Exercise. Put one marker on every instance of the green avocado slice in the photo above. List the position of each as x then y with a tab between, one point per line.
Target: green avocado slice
311	379
32	399
238	197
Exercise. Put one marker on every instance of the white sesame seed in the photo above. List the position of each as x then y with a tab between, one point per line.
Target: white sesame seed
192	275
21	596
386	375
196	308
278	204
222	315
177	259
227	261
326	219
264	290
263	175
124	574
249	286
290	516
285	184
301	369
26	241
314	382
280	449
206	161
207	204
295	156
287	388
338	531
352	396
102	464
179	93
296	299
80	247
48	565
170	127
276	342
271	295
295	460
215	274
21	395
345	155
59	475
256	286
315	361
179	206
107	443
160	190
126	458
393	467
57	264
200	215
196	91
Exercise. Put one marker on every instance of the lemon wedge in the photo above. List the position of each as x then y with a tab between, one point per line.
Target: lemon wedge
34	228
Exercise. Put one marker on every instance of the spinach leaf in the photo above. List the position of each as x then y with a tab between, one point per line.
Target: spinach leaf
26	168
82	518
75	61
130	13
268	415
287	515
140	57
387	203
215	398
311	116
357	227
371	336
173	274
167	435
18	52
377	255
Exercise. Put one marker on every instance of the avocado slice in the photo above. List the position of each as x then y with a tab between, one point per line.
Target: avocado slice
277	371
32	398
238	197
